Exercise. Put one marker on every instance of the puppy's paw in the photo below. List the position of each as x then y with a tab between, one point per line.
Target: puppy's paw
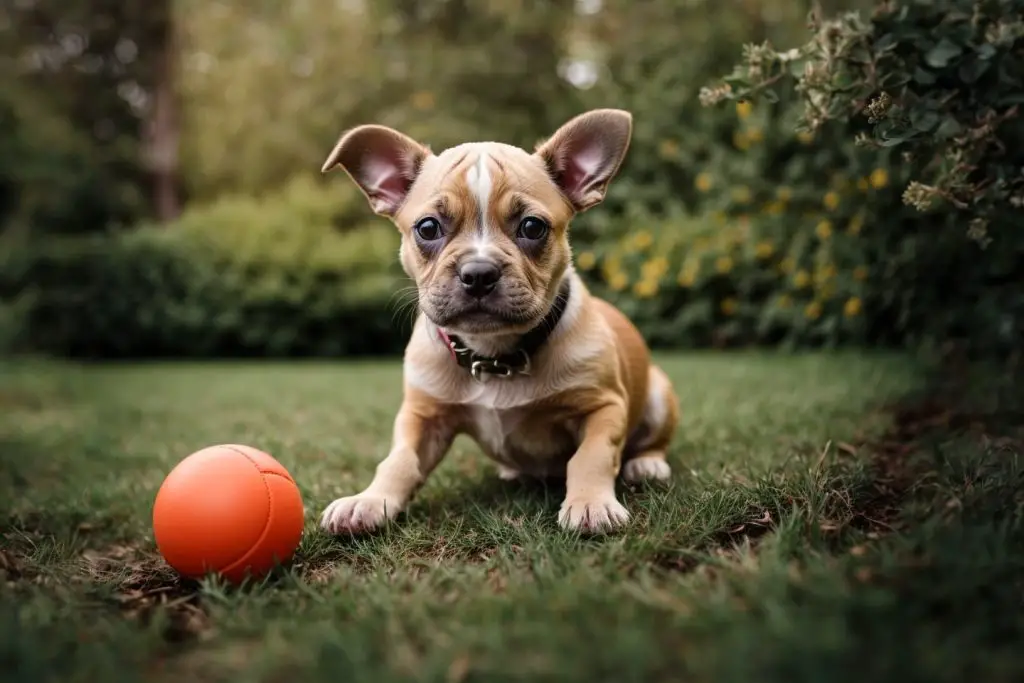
592	515
508	474
646	468
358	514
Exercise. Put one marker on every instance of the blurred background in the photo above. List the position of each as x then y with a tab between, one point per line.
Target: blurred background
160	192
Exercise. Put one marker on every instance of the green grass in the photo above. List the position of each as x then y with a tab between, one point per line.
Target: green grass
809	534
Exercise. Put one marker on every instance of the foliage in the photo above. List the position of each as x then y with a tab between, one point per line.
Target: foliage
940	80
907	278
239	277
76	83
269	89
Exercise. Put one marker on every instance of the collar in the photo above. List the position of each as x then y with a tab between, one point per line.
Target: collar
517	361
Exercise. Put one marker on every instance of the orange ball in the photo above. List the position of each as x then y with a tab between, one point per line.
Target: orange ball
229	510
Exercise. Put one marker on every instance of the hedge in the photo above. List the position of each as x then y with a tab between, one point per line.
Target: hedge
241	277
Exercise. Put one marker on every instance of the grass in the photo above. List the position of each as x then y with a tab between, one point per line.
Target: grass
810	533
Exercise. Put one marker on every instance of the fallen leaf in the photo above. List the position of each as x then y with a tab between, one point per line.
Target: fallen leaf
765	519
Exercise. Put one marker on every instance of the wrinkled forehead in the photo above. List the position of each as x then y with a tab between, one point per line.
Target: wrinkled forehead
484	177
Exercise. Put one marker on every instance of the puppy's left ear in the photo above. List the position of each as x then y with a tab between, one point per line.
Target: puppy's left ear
585	154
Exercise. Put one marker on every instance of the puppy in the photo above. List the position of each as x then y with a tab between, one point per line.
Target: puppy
509	346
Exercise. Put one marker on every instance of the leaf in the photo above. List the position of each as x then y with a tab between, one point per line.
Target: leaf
986	51
770	96
924	121
973	70
942	54
886	42
924	77
948	128
796	67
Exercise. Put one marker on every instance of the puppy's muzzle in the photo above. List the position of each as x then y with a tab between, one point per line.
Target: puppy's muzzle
479	277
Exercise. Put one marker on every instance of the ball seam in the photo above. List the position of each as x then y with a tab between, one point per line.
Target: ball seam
266	524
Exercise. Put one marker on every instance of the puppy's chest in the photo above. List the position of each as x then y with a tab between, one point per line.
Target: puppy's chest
523	438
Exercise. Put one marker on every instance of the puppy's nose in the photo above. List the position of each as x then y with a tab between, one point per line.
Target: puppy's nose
478	278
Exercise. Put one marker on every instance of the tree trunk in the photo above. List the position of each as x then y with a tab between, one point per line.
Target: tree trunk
163	133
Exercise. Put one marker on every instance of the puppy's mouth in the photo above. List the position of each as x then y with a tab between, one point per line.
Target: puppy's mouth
479	317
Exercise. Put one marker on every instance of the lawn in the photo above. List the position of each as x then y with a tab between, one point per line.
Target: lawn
811	533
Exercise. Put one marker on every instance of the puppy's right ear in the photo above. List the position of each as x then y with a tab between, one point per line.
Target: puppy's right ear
383	163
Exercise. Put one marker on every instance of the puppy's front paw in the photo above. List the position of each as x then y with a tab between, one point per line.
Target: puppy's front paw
358	514
646	468
592	515
508	474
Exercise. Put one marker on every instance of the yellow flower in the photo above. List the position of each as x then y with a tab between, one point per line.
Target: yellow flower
586	260
764	249
703	182
645	288
668	149
654	268
784	194
805	137
801	279
827	291
723	264
785	301
741	194
823	229
728	306
739	139
774	208
423	100
856	223
643	239
618	281
813	310
860	273
787	264
744	108
879	178
611	266
687	277
852	307
825	273
862	184
755	135
831	200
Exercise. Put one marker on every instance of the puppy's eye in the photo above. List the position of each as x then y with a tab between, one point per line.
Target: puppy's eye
532	228
428	229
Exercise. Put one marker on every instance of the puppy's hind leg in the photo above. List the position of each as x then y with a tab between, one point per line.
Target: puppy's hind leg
645	453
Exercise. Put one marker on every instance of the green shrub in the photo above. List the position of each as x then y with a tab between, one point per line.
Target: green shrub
852	131
936	86
240	277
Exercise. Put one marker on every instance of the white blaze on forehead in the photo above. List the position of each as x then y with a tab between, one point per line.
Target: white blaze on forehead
478	179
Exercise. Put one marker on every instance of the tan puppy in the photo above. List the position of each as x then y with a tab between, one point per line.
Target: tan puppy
509	346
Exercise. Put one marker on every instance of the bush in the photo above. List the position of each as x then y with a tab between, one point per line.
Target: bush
241	277
784	170
939	85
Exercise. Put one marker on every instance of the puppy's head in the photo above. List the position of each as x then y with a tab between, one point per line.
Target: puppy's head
485	225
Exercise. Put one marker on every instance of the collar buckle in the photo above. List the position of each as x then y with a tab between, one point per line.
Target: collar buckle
482	368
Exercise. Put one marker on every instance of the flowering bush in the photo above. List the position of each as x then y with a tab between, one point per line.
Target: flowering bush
833	205
780	248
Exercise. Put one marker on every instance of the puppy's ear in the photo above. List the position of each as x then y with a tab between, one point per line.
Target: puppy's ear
585	154
382	161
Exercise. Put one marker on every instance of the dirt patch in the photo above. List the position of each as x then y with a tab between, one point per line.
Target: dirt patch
895	466
145	589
